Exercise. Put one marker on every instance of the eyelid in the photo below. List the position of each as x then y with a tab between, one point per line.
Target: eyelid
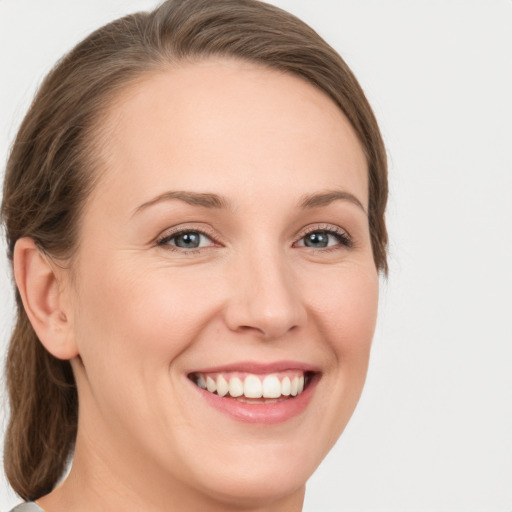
169	233
177	230
328	228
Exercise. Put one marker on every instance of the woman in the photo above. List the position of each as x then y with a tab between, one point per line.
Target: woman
194	208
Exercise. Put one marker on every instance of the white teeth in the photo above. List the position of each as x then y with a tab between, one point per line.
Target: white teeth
286	386
294	387
271	387
252	387
236	387
222	386
210	385
201	382
300	389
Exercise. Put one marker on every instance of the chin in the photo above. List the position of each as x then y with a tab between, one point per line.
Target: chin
257	486
261	474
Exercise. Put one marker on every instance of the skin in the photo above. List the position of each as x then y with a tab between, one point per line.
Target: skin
136	317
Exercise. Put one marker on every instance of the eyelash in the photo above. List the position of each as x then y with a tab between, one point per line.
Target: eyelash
167	237
344	239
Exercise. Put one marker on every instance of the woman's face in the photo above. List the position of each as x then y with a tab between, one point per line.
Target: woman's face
226	242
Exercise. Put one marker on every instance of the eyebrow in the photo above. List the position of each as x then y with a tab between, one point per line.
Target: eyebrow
326	198
206	200
215	201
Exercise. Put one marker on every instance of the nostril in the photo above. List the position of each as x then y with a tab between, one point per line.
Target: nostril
255	318
267	330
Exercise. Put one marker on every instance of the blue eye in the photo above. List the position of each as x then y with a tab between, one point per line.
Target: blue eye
187	240
322	239
317	239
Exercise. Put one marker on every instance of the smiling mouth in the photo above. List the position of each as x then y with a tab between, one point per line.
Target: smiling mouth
254	388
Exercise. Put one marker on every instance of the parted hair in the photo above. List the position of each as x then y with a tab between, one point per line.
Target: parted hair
51	171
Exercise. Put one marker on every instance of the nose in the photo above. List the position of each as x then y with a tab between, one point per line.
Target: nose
265	297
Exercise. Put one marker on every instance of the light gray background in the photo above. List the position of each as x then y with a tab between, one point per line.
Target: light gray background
433	431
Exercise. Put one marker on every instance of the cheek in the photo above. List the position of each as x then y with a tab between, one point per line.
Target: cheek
347	310
137	316
348	315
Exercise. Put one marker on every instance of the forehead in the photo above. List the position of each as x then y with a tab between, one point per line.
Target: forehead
225	123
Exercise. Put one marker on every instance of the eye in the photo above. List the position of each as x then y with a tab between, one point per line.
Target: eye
186	239
324	239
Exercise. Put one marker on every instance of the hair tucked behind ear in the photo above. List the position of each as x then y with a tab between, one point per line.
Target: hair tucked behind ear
57	155
42	429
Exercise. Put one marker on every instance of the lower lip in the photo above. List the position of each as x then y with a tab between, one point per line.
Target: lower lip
267	414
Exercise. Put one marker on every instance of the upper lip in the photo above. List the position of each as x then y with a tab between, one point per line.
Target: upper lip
259	368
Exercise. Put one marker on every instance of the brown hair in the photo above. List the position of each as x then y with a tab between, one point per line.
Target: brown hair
50	173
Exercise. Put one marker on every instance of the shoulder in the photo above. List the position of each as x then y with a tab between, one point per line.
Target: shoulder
27	507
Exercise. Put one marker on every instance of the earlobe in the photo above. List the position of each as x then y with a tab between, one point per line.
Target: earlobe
39	282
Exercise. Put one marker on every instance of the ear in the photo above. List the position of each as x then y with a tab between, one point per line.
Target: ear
40	283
